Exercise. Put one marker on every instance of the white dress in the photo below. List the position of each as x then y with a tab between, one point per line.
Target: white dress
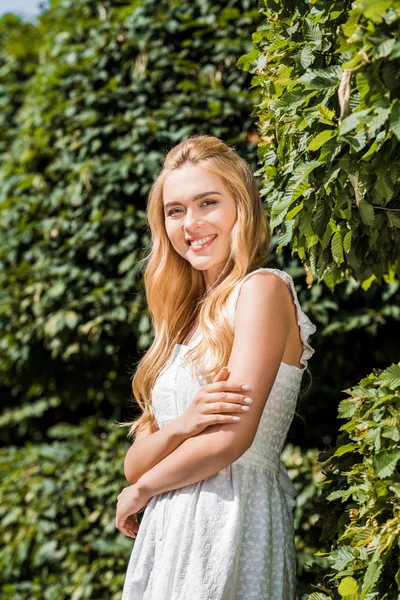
230	536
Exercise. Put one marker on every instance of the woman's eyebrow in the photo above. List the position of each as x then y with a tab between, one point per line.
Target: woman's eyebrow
197	197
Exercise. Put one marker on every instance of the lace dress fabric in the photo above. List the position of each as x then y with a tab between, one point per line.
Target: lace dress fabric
230	536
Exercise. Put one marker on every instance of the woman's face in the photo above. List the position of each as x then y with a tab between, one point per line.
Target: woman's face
198	205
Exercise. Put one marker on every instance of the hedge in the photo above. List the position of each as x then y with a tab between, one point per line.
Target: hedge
58	539
329	126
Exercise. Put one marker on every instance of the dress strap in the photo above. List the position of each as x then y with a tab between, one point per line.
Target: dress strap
306	326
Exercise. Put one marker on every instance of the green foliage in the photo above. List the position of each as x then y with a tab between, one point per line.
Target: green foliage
357	330
109	89
19	44
306	474
58	538
362	487
329	123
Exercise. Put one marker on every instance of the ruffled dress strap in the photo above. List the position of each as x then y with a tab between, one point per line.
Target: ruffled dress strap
306	326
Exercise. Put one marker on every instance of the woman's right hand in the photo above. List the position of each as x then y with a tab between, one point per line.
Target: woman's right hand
214	405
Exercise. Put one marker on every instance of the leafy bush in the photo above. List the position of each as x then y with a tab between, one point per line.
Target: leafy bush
329	125
362	487
58	538
306	474
19	44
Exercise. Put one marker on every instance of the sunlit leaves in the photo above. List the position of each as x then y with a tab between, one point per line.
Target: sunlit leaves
58	503
395	118
362	486
339	105
386	462
320	139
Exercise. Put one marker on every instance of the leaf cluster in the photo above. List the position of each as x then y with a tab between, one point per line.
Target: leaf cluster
57	513
362	491
306	475
329	122
58	538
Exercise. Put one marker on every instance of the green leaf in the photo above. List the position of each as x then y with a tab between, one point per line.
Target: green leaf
306	57
321	79
312	32
71	318
246	60
372	574
261	62
56	290
351	122
307	167
346	448
348	407
341	557
320	139
371	151
337	248
367	213
329	115
357	141
385	463
286	234
393	433
395	118
343	495
374	9
379	118
396	54
127	263
54	324
348	586
270	158
385	48
347	241
390	377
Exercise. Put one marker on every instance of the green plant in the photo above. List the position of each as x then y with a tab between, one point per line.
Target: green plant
362	488
329	124
306	474
58	538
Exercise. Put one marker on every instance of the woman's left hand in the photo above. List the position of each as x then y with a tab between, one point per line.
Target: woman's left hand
130	501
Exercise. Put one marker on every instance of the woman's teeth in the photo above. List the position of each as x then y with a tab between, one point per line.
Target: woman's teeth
202	242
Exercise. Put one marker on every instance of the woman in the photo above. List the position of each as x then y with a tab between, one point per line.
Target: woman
218	522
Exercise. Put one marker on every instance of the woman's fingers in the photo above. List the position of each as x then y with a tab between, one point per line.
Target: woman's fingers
222	374
131	526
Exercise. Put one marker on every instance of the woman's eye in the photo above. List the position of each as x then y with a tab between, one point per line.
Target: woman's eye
171	212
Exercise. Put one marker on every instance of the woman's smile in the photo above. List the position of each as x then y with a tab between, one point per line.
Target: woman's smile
198	248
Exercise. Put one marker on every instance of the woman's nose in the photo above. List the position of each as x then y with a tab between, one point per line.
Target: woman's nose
192	220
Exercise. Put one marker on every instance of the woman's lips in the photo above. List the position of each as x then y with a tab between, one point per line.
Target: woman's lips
206	245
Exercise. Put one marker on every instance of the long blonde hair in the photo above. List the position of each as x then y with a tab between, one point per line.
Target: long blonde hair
176	292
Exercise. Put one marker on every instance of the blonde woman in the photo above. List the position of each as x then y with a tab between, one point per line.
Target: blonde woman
217	389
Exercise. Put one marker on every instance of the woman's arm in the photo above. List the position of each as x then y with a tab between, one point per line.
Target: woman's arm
150	448
197	458
261	329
